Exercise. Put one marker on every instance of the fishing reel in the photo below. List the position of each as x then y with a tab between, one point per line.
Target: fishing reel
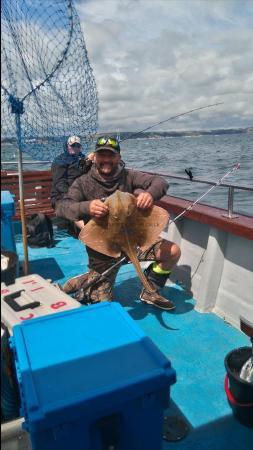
85	164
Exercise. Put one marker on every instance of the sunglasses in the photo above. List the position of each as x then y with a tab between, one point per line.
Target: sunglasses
101	141
75	145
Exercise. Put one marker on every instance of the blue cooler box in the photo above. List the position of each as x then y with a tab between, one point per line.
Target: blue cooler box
7	212
91	379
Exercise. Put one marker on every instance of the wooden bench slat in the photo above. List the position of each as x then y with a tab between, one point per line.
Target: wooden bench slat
37	191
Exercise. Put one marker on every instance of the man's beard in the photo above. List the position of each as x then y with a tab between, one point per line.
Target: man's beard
101	171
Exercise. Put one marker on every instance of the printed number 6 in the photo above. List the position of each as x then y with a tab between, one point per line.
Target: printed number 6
30	316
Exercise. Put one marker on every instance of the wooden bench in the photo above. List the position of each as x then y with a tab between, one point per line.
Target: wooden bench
37	191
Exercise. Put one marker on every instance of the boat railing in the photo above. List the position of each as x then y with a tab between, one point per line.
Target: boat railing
231	186
13	163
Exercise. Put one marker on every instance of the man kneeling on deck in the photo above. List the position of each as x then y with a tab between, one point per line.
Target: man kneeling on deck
84	200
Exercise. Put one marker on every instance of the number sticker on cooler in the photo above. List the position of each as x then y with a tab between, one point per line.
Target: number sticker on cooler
58	305
31	297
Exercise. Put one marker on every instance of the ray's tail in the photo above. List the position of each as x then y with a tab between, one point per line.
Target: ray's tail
133	257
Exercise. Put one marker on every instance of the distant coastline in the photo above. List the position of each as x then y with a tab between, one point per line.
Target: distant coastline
145	134
195	133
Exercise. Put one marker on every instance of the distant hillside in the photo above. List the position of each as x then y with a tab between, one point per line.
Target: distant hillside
147	134
153	134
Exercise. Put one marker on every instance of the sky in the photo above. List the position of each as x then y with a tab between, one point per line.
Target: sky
153	59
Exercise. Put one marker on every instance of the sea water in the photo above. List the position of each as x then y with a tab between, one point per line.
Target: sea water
208	156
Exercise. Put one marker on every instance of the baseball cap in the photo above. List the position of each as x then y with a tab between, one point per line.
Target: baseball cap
107	143
74	140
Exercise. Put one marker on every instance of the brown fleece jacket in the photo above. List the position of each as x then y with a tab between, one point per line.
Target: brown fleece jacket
91	186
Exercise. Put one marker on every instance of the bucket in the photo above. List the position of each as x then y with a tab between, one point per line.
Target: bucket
8	275
239	392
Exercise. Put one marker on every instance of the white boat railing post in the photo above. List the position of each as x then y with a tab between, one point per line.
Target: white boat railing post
230	214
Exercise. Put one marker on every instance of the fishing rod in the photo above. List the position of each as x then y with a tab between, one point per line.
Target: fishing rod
82	295
170	118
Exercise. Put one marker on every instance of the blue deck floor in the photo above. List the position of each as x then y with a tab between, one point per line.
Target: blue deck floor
195	343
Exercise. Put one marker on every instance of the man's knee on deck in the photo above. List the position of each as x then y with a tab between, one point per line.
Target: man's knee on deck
167	254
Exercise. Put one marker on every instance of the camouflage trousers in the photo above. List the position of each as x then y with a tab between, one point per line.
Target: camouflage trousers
103	289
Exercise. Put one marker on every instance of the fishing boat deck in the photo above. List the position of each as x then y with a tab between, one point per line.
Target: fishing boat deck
195	343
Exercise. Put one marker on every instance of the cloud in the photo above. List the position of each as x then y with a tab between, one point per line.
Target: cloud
153	60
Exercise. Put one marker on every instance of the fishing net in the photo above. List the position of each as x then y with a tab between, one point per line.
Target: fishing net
48	88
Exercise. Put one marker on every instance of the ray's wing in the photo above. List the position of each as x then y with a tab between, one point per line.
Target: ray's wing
105	234
142	228
97	235
145	226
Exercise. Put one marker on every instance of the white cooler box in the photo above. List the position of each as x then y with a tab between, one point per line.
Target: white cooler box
32	296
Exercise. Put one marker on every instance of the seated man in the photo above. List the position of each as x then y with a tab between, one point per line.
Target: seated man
66	167
84	200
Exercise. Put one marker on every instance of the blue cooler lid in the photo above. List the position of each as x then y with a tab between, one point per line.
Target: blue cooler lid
7	203
72	363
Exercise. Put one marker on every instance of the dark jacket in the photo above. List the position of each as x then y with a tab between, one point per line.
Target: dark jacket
65	169
91	186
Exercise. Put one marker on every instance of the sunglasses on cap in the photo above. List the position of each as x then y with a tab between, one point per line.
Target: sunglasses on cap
110	142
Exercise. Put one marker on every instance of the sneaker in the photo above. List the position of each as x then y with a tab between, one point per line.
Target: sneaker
101	292
156	299
75	283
